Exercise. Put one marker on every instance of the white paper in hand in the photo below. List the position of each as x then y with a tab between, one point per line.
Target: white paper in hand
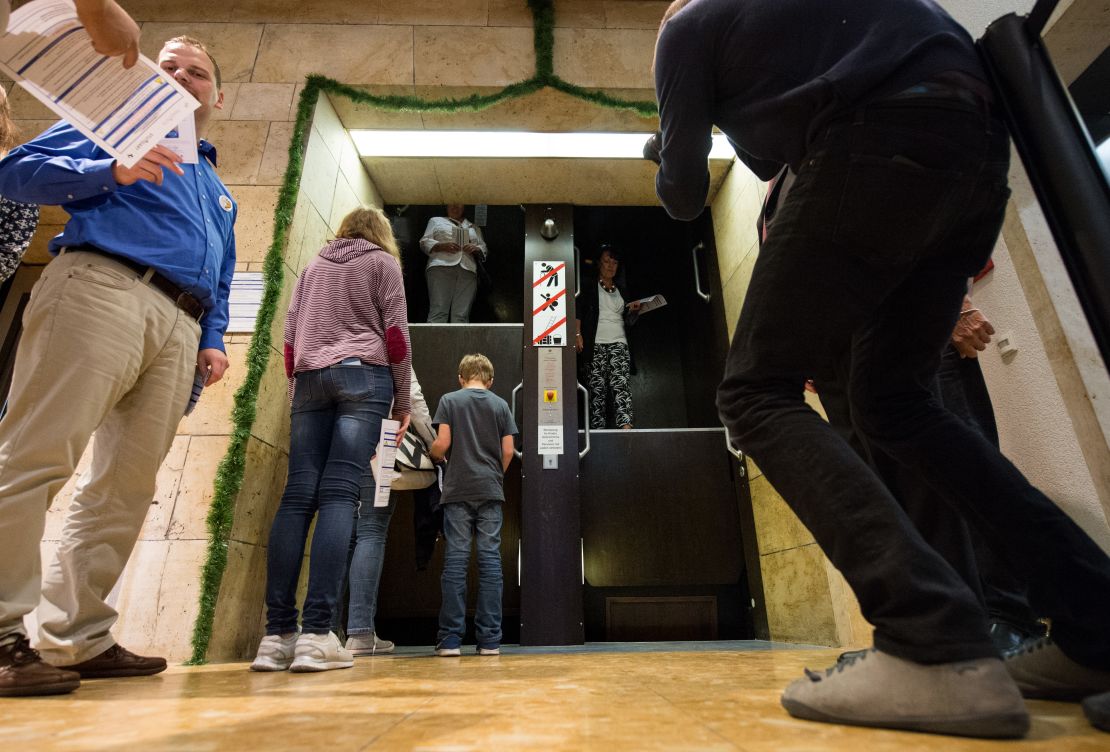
383	462
125	111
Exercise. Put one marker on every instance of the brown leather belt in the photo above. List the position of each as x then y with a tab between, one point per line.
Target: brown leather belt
183	300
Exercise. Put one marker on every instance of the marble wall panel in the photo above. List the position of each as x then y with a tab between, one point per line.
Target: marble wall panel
236	631
263	102
230	91
328	126
232	45
190	509
178	599
349	54
168	11
546	110
316	234
344	202
406	181
212	414
294	235
275	157
240	144
263	485
359	115
271	422
777	528
458	13
797	595
316	11
634	14
318	174
485	56
38	252
254	224
136	595
167	485
600	57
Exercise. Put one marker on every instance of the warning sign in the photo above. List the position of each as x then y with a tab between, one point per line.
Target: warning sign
549	305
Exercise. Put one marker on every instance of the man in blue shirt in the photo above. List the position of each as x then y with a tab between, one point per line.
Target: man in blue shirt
134	306
881	109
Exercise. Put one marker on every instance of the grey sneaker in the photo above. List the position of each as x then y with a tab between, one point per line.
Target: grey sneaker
369	644
1042	671
320	652
275	652
967	698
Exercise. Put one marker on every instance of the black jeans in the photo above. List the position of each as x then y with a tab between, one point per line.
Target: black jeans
893	209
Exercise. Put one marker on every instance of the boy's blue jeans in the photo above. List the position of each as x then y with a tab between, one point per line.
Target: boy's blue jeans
463	522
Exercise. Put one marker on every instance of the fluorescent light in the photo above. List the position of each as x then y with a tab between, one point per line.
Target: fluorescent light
519	144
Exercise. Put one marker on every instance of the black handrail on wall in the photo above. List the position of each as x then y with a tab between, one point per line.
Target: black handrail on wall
1058	155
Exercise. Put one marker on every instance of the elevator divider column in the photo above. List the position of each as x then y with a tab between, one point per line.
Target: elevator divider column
550	546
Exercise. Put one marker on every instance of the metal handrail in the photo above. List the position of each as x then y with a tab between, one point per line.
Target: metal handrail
737	453
586	413
512	406
577	271
697	274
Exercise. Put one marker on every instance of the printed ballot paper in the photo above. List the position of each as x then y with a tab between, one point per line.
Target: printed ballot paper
124	111
382	463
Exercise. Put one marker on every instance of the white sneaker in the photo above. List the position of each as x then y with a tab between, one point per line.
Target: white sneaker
315	652
275	652
368	644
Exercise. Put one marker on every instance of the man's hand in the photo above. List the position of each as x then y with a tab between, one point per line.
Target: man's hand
113	32
149	167
213	362
652	148
972	333
445	248
472	249
404	420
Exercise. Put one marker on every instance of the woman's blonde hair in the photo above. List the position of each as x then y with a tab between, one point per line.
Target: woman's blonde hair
9	133
476	366
370	224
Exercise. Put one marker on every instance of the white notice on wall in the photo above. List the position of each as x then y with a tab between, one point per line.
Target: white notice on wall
549	440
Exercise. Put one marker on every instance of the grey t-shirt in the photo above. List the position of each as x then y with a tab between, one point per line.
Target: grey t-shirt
478	419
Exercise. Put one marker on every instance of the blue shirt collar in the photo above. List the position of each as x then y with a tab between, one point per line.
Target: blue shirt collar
208	150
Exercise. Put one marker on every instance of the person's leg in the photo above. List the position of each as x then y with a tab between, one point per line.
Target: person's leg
458	530
963	390
111	503
366	564
599	381
309	444
618	382
362	396
466	287
79	353
441	290
487	617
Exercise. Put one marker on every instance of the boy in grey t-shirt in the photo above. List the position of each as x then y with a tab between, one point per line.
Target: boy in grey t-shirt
477	428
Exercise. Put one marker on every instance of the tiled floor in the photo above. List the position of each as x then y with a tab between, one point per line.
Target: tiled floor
709	696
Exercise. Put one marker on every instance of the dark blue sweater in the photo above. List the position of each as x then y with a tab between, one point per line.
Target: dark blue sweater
771	73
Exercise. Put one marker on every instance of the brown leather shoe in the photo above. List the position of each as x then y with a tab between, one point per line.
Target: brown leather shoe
24	673
118	661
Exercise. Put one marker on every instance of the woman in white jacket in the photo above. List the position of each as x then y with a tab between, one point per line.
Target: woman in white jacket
454	247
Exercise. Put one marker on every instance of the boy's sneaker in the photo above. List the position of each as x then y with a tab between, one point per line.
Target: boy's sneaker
24	673
275	652
320	652
491	648
368	644
1043	672
449	647
965	698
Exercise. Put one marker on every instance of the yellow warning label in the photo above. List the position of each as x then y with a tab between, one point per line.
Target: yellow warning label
550	395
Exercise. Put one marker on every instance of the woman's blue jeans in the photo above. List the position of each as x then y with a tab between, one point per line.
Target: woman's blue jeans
371	529
463	522
337	420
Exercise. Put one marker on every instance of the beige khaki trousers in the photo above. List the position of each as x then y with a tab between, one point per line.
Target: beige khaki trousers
100	351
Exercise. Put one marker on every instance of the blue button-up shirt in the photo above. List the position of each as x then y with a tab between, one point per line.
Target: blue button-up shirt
183	228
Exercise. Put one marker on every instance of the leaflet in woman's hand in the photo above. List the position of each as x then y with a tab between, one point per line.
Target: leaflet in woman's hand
651	303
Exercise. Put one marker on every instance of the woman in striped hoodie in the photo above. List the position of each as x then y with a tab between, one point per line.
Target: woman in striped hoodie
347	356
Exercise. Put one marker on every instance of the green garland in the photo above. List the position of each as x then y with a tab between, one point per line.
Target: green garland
229	475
